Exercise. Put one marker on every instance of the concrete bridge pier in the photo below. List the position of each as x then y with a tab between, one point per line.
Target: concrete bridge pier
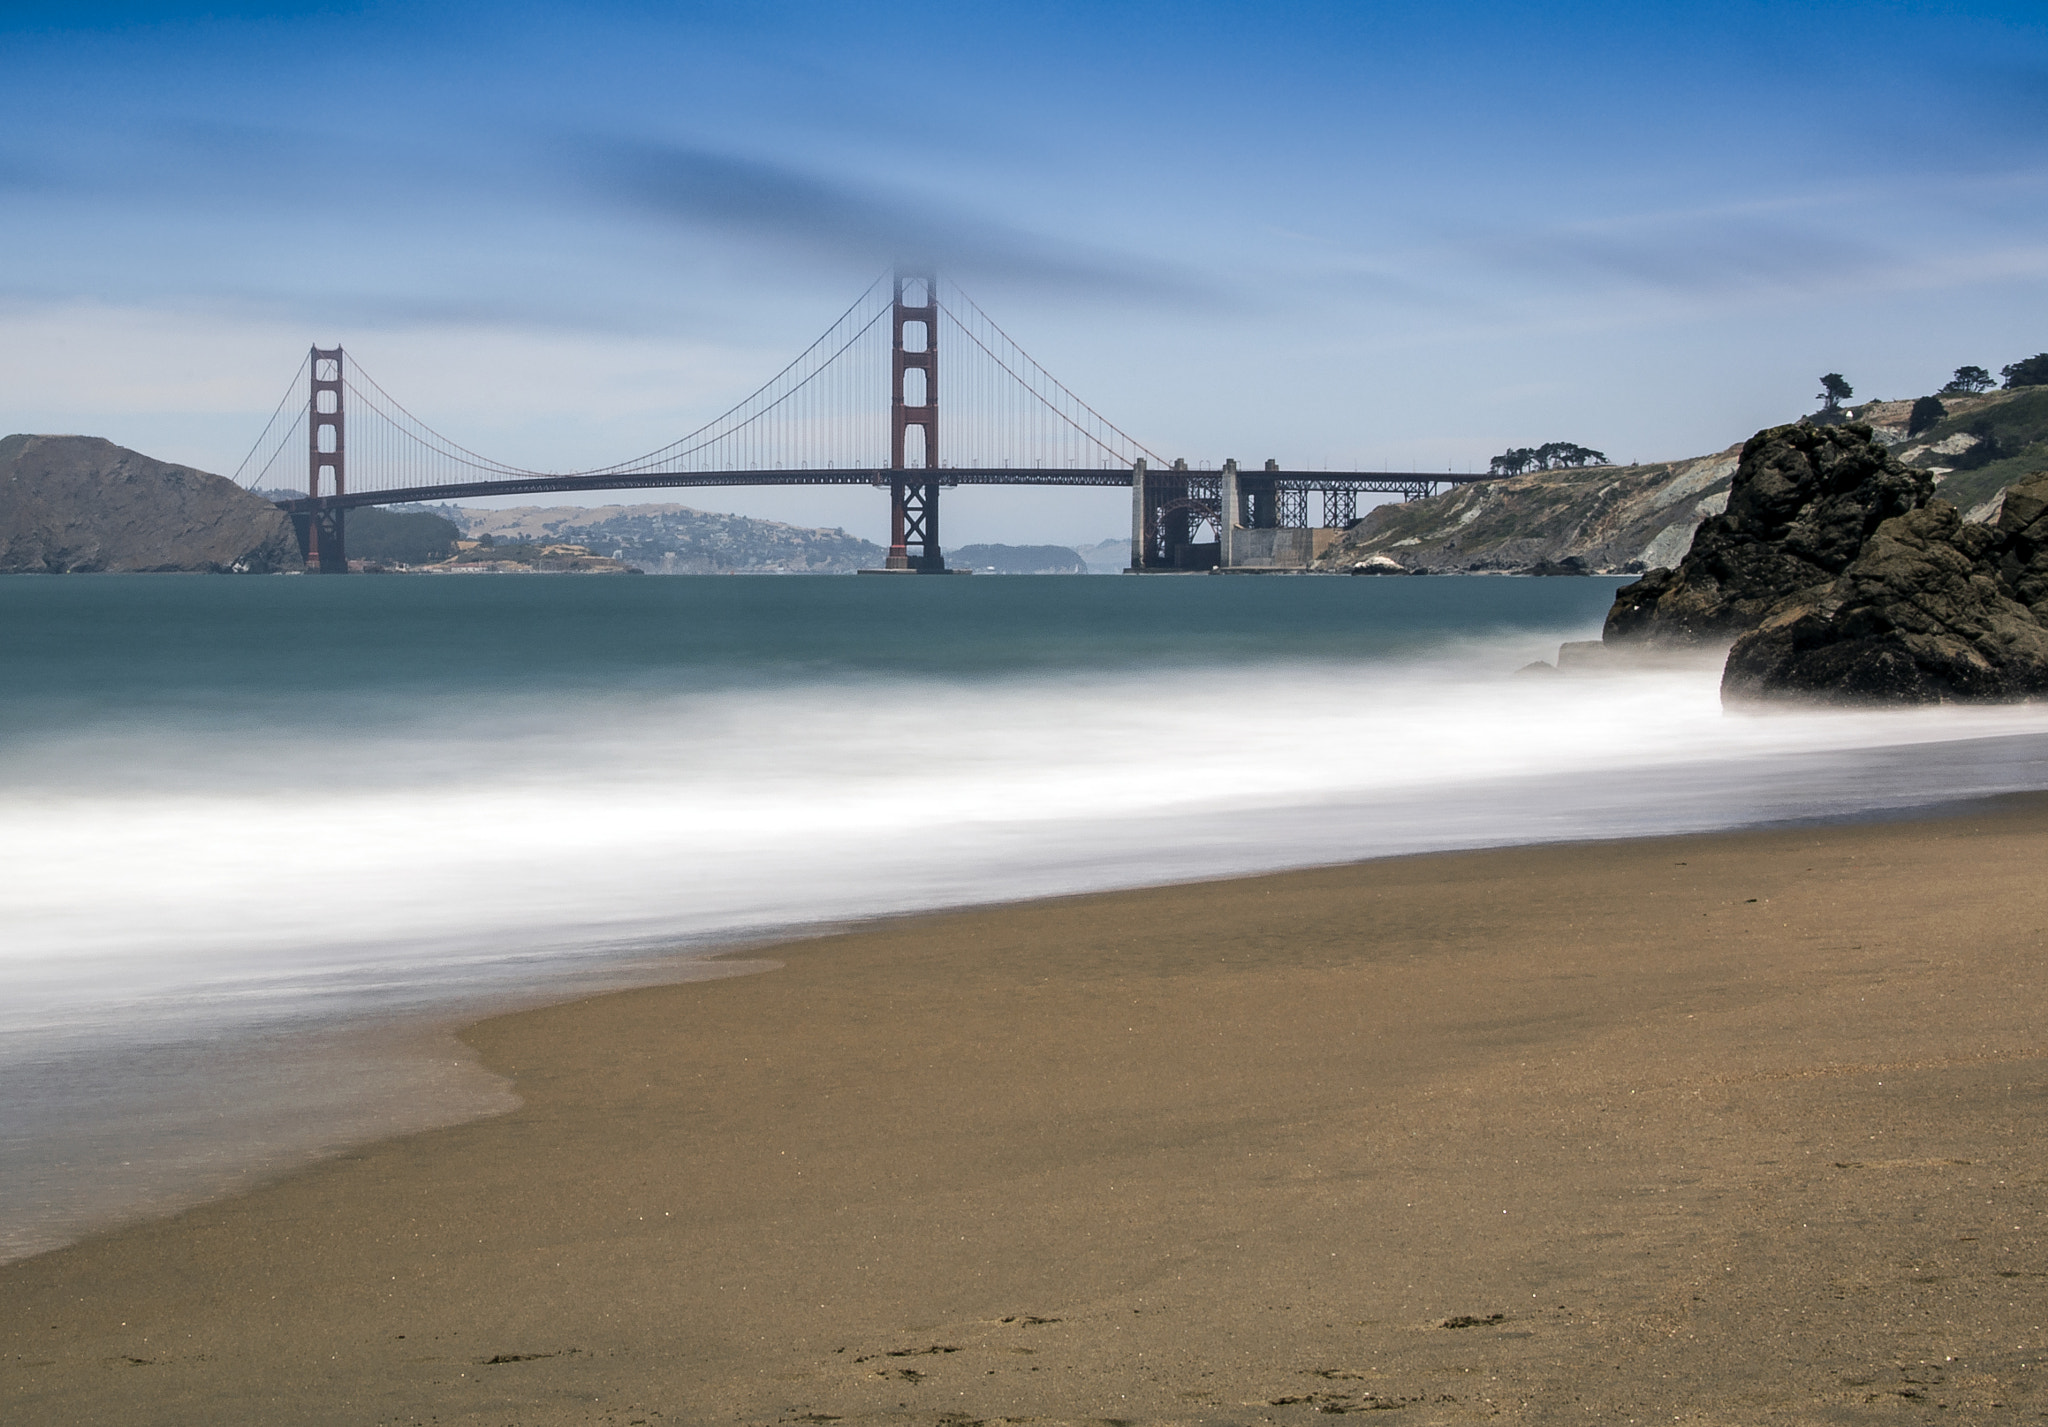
1139	517
1226	518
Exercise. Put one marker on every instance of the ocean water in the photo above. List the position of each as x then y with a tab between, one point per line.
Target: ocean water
262	840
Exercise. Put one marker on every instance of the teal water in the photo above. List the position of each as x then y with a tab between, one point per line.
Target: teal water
242	817
107	648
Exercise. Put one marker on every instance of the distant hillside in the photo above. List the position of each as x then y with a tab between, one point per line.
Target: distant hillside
1984	443
1107	557
527	557
677	540
408	535
1019	559
75	504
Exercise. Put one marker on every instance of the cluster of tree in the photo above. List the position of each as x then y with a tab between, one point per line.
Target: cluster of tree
1550	456
2032	372
1968	381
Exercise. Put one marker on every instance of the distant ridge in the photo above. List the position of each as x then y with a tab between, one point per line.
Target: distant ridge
669	539
1020	559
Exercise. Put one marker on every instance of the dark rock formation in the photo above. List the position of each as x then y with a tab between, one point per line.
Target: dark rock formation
1919	616
2020	557
78	503
1839	579
1803	502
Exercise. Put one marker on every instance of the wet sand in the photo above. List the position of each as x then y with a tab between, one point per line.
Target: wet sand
1712	1129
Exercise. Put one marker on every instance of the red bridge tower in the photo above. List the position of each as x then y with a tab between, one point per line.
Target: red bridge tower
320	531
914	405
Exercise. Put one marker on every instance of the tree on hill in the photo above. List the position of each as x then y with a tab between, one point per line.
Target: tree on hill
1834	390
1513	462
1550	456
2032	372
1968	381
1926	412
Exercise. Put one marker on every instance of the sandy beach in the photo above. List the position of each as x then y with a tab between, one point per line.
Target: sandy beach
1724	1128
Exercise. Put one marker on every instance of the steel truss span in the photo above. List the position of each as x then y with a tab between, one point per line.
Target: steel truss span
1403	483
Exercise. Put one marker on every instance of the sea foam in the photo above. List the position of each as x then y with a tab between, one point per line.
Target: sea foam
252	831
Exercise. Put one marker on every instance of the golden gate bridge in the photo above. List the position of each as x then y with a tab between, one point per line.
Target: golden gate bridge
818	421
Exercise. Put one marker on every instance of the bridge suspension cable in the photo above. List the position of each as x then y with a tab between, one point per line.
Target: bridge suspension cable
276	440
809	413
826	410
1003	408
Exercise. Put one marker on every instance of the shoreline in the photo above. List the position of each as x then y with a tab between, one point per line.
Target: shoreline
299	1096
231	1110
1224	1151
404	1052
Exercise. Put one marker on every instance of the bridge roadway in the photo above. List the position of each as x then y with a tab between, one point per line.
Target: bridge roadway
319	520
1405	483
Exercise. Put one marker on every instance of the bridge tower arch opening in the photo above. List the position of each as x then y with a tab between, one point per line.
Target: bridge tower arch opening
1168	509
914	425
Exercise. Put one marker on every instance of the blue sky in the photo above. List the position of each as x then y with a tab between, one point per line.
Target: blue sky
1406	235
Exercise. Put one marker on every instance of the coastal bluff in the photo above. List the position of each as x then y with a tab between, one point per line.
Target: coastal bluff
1575	521
1836	576
81	504
1642	516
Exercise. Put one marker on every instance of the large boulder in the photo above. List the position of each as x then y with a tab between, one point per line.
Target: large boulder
1803	502
79	503
2019	556
1921	615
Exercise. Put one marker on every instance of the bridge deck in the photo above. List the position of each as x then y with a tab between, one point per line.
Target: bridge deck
1376	482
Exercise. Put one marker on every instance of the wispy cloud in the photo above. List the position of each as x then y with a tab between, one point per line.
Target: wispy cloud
755	201
1709	259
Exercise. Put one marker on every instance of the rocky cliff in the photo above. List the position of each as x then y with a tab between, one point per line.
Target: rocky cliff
1837	576
1803	501
1605	518
72	504
1926	613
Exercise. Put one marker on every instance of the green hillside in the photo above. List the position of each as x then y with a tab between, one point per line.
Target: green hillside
1984	445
